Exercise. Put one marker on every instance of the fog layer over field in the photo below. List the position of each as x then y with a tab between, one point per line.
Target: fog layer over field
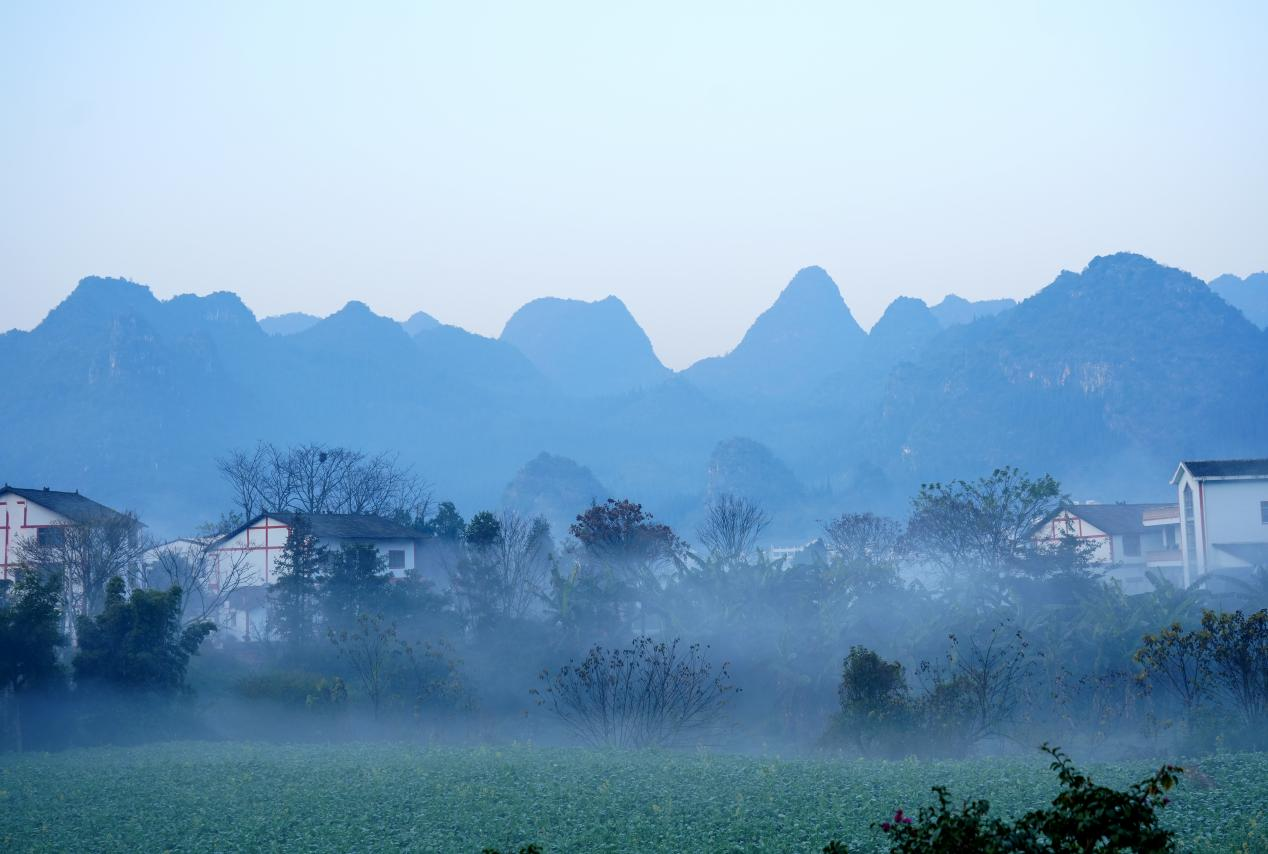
950	633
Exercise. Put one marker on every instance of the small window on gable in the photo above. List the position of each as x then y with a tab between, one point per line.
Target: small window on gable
1263	512
396	559
1131	545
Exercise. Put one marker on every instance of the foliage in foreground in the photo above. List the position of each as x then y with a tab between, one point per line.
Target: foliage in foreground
1084	817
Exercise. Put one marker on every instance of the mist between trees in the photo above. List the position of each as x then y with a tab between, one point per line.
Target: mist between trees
949	633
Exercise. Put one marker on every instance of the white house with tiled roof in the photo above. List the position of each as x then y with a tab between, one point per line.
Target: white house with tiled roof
42	514
1224	510
260	541
1129	539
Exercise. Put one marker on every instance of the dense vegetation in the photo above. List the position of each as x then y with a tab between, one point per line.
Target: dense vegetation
952	634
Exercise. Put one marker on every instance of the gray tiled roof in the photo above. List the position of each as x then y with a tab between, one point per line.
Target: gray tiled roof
1115	518
352	526
72	505
1227	468
341	526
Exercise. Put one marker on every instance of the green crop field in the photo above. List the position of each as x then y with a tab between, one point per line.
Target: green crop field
254	797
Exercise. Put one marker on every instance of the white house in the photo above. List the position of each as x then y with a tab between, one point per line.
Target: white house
42	514
1130	539
252	551
1224	510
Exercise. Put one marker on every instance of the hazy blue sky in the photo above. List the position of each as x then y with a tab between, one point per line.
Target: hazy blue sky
466	158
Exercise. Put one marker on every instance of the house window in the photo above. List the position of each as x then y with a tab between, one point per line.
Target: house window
396	559
1131	545
1263	512
50	537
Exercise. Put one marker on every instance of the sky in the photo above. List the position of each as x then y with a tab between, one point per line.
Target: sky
465	158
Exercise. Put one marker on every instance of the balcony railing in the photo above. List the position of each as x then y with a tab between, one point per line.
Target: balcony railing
1164	557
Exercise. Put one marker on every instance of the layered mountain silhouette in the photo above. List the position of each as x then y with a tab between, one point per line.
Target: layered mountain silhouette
1104	378
298	321
1249	295
555	488
954	310
419	321
289	323
1104	375
806	336
902	332
585	348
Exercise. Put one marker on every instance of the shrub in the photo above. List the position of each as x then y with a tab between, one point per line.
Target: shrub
874	701
1084	817
1224	661
647	695
137	643
394	673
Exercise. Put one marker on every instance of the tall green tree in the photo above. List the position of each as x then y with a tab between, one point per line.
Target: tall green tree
447	524
474	578
137	642
630	552
30	634
354	581
294	604
979	533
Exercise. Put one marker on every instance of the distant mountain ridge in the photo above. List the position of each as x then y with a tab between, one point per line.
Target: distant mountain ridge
586	348
805	336
1104	378
1249	295
1143	359
954	310
289	323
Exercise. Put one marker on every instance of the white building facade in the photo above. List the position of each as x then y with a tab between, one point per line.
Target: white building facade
1223	507
41	515
249	554
1130	540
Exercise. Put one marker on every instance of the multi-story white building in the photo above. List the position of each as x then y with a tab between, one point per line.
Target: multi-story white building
250	554
1223	507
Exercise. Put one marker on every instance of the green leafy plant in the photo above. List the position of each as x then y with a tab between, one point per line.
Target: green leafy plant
1084	817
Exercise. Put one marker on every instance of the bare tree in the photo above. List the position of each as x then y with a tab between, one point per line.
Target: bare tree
206	580
522	556
731	527
503	566
277	479
316	478
380	485
993	672
86	555
648	695
320	477
865	539
244	472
